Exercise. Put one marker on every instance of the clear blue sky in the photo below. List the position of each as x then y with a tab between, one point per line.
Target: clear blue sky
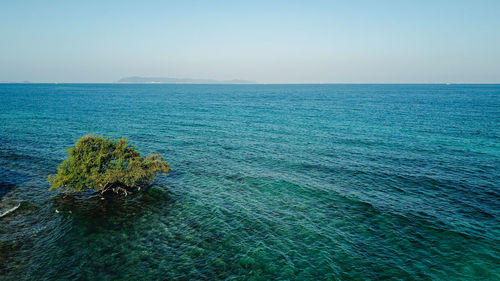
268	41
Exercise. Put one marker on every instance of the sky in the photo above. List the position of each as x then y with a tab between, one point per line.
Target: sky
267	41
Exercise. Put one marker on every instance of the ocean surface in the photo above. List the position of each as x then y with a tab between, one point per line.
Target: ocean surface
268	182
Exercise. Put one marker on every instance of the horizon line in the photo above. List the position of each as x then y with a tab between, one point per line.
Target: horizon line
258	83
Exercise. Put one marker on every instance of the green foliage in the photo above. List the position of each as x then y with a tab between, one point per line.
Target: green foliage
104	164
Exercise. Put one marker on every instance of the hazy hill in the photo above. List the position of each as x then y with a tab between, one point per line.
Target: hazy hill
167	80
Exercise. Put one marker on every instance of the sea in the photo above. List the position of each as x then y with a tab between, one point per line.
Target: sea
268	182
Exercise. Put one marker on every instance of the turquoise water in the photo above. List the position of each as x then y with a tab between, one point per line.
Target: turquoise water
284	182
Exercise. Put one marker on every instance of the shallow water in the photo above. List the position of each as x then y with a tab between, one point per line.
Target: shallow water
290	182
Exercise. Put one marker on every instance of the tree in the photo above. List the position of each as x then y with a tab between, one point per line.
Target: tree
104	164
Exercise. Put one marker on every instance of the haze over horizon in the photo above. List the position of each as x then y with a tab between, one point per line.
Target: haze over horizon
278	42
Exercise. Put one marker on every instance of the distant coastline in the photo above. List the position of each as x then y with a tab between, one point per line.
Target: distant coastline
168	80
152	80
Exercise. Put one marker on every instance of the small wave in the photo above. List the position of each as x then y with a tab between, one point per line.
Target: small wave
10	210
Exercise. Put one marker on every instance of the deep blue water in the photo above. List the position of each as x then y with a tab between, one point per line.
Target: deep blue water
287	182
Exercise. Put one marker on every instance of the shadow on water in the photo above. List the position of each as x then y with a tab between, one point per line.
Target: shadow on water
111	210
69	235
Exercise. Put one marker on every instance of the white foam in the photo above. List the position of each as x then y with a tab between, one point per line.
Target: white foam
10	211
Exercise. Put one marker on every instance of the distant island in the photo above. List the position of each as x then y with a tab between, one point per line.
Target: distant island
167	80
